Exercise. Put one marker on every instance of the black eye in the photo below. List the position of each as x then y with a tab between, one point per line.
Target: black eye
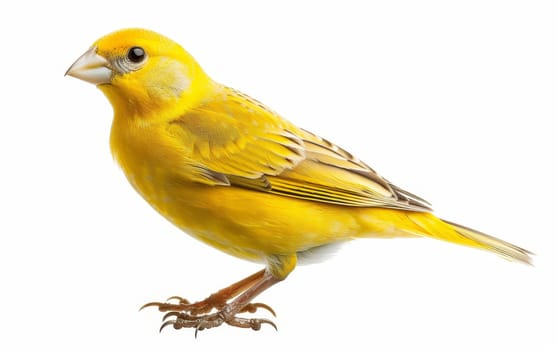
136	54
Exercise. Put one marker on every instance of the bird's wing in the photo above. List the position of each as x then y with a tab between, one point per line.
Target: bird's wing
239	142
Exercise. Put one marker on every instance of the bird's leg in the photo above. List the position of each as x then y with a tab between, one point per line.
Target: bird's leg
197	315
256	283
216	300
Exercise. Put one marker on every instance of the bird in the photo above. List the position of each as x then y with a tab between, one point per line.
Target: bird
234	174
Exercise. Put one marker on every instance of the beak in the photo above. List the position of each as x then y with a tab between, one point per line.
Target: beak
91	68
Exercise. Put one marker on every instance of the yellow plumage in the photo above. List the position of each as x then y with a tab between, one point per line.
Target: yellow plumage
229	171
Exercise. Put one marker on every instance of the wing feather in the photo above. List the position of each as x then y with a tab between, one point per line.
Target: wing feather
240	142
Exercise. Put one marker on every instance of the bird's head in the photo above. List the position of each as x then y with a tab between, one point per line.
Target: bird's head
142	72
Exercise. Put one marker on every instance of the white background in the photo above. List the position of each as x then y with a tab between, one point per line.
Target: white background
455	102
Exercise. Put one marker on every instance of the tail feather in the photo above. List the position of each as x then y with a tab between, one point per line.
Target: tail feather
500	247
431	226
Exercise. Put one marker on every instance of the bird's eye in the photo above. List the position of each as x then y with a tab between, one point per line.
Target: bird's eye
136	54
135	59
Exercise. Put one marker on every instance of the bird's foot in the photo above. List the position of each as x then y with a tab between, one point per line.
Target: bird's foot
202	322
214	301
227	303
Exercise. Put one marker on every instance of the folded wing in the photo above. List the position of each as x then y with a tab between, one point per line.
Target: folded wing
240	142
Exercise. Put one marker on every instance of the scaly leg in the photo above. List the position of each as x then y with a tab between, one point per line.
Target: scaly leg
195	315
216	300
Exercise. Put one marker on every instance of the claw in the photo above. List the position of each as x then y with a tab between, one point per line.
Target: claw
179	299
197	329
253	308
170	314
168	323
163	307
264	320
154	303
166	306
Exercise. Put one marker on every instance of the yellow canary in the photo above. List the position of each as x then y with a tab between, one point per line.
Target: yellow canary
232	173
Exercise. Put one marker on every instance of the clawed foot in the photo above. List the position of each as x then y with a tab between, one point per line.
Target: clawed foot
200	315
204	306
185	320
197	315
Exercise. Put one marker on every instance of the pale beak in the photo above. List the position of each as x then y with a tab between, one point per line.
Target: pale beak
91	68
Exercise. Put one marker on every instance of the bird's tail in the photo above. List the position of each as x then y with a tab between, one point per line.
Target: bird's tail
431	226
